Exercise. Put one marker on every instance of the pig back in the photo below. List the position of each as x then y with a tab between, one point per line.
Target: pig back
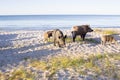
56	34
80	29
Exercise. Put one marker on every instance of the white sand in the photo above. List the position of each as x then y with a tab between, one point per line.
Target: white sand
17	46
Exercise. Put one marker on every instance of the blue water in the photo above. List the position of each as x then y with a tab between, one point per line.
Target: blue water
45	22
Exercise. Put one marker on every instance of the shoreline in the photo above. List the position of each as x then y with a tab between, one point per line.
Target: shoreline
45	27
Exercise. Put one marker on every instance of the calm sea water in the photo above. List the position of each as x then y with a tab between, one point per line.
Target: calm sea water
44	22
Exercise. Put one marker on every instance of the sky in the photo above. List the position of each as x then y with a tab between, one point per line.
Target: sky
51	7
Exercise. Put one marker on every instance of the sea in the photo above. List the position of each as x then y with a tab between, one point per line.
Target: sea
47	22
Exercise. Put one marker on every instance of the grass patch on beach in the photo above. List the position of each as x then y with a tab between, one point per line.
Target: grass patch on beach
18	74
109	32
39	64
69	39
78	39
98	64
105	31
21	74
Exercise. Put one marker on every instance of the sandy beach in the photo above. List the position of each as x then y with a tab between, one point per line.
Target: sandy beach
18	46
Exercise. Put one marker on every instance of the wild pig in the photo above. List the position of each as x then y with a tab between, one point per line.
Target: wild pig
80	30
47	35
107	38
58	38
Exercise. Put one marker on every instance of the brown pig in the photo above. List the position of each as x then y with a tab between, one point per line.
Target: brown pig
58	38
47	35
80	30
108	38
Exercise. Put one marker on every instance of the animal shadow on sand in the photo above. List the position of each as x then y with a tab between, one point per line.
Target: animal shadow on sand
117	37
5	40
13	57
93	41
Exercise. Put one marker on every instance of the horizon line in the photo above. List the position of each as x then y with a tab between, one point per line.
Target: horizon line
60	14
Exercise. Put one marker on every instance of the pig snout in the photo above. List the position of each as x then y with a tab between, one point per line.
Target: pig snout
90	30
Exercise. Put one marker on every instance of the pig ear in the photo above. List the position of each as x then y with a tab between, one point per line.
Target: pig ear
65	36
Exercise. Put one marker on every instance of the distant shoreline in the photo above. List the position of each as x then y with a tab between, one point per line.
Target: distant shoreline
31	17
66	15
15	28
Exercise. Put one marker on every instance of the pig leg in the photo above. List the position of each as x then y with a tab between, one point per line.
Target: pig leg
54	42
58	44
83	36
73	36
101	42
